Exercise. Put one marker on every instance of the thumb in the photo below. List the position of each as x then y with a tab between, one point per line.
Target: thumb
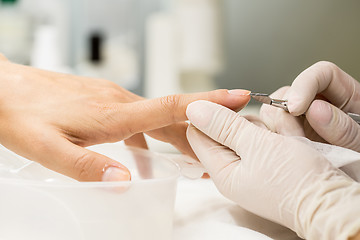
80	163
230	129
332	124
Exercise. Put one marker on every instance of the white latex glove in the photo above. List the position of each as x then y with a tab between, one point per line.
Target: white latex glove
336	93
273	176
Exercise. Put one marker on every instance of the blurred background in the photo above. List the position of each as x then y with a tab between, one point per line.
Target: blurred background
160	47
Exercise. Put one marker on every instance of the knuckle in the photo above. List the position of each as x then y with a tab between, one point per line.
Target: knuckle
111	84
325	64
111	93
106	109
170	103
230	128
320	71
324	68
82	166
105	83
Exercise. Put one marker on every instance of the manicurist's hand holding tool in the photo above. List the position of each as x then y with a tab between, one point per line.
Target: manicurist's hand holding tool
265	98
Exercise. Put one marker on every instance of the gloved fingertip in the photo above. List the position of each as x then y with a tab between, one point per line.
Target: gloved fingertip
200	113
295	105
321	112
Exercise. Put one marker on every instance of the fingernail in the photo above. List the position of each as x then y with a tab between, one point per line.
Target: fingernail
239	92
115	174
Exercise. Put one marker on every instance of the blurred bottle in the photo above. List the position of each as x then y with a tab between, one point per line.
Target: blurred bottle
183	48
46	53
122	62
200	46
94	65
113	59
162	68
15	32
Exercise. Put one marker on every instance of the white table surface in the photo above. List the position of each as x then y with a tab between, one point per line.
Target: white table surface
201	212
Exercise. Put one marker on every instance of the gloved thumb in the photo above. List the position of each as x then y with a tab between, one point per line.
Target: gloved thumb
228	128
333	125
215	157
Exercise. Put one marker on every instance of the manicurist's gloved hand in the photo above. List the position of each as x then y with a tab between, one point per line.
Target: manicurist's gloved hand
50	117
274	176
324	93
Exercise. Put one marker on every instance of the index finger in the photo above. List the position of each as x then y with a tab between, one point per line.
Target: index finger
160	112
325	78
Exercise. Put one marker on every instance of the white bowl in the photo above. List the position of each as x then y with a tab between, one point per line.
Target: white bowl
37	203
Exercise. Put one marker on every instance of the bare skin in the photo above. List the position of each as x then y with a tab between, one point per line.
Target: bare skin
50	117
356	237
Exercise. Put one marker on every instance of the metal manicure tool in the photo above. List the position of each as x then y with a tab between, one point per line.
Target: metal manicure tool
265	98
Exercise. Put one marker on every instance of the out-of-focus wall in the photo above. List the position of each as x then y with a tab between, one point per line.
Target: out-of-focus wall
56	13
265	44
268	43
71	25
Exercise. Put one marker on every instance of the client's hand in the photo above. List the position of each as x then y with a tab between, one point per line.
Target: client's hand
274	176
324	93
50	117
